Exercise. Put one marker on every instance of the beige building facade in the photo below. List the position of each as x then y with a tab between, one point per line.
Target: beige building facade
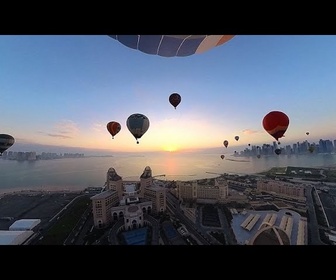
212	190
102	204
283	188
128	200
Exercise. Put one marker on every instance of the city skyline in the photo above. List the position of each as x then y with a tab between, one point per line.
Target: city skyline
322	146
238	150
68	87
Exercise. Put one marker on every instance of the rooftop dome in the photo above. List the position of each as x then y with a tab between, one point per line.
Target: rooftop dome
147	172
270	235
133	208
112	175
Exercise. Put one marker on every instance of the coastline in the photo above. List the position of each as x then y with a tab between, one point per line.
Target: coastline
42	189
75	188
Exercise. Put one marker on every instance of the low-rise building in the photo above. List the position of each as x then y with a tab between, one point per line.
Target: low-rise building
213	190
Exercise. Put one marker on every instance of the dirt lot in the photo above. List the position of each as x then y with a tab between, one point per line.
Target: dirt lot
32	205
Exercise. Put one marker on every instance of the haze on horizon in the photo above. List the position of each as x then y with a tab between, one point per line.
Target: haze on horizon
62	90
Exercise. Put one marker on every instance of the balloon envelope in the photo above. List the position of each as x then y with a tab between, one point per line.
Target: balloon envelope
278	151
311	148
226	143
6	141
276	124
175	99
113	128
137	124
172	45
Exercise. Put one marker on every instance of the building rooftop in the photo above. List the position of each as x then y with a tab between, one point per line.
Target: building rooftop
25	224
103	194
14	237
270	235
245	225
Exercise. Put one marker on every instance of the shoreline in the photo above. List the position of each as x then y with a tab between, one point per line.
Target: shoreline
40	189
76	188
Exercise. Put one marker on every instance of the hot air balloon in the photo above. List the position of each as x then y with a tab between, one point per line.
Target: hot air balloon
249	144
175	99
222	156
307	133
226	143
311	148
6	141
276	124
278	151
237	138
137	124
113	127
172	45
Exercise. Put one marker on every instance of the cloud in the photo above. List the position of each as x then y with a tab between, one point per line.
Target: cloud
59	136
67	127
249	131
99	127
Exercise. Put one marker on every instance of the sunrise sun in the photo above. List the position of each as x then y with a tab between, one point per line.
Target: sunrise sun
170	148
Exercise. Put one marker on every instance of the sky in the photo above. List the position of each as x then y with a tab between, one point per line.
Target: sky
62	90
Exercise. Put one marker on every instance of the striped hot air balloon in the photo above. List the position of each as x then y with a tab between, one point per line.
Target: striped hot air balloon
6	141
172	45
137	124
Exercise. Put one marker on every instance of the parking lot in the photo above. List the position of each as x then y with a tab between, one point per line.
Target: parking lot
32	205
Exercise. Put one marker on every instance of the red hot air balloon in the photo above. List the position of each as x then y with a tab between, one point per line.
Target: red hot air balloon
226	143
175	99
113	127
276	124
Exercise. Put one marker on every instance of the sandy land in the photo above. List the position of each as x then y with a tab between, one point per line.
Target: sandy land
48	188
